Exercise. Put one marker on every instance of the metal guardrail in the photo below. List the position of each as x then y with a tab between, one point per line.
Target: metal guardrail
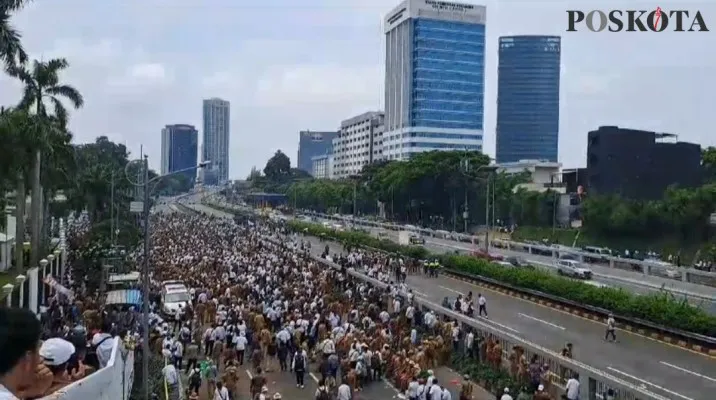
597	382
706	342
647	267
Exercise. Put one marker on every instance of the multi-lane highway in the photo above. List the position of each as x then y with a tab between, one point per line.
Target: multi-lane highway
664	369
632	281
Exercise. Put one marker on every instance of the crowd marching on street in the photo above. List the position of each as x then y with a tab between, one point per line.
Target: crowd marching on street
260	299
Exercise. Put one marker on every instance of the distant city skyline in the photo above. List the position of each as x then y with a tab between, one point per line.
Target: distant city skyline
138	73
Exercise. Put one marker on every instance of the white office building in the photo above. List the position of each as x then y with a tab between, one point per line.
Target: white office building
322	166
216	117
359	143
434	77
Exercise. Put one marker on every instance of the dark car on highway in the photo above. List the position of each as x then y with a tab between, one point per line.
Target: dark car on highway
519	262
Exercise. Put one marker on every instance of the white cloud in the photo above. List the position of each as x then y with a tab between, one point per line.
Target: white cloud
316	84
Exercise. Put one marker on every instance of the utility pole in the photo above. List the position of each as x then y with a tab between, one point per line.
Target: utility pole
355	199
111	211
487	214
466	212
145	285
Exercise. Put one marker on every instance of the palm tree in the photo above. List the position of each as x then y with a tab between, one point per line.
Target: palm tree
11	50
16	134
42	84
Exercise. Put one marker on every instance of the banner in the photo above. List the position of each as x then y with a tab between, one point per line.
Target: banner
50	281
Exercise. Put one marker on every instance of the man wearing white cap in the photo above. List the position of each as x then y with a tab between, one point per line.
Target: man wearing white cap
55	353
506	395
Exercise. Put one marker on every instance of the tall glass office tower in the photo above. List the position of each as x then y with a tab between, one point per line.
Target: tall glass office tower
180	149
434	77
216	138
528	98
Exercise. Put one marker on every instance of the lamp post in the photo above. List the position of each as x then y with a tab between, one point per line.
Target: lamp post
59	264
7	291
20	280
51	259
43	295
145	261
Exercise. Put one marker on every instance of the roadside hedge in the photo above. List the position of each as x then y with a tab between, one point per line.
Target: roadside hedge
659	308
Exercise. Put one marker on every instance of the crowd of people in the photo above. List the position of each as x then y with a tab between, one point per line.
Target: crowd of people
73	336
259	298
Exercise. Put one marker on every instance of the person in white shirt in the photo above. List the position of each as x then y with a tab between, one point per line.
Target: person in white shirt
208	340
611	326
412	391
572	387
422	391
221	392
481	305
506	395
240	342
344	392
171	377
435	392
104	343
178	353
446	395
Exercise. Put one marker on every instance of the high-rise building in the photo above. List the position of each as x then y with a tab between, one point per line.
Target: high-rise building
359	143
312	144
180	149
434	77
528	98
216	137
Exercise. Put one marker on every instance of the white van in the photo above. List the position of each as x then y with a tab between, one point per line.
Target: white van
174	295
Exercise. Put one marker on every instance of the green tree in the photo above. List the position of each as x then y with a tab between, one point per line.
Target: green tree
12	52
42	85
278	167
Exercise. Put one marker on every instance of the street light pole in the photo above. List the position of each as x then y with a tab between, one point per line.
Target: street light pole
487	214
145	285
111	211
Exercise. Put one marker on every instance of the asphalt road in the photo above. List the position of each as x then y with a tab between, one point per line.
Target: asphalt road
668	370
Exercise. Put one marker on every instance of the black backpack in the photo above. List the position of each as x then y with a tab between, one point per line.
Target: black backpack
323	395
299	362
195	379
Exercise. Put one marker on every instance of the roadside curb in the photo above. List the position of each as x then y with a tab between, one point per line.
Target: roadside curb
653	335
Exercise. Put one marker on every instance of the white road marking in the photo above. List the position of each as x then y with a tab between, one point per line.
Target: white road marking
249	374
449	289
498	324
399	395
687	371
649	383
542	321
314	377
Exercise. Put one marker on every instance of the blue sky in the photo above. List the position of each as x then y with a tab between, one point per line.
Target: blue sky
290	66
